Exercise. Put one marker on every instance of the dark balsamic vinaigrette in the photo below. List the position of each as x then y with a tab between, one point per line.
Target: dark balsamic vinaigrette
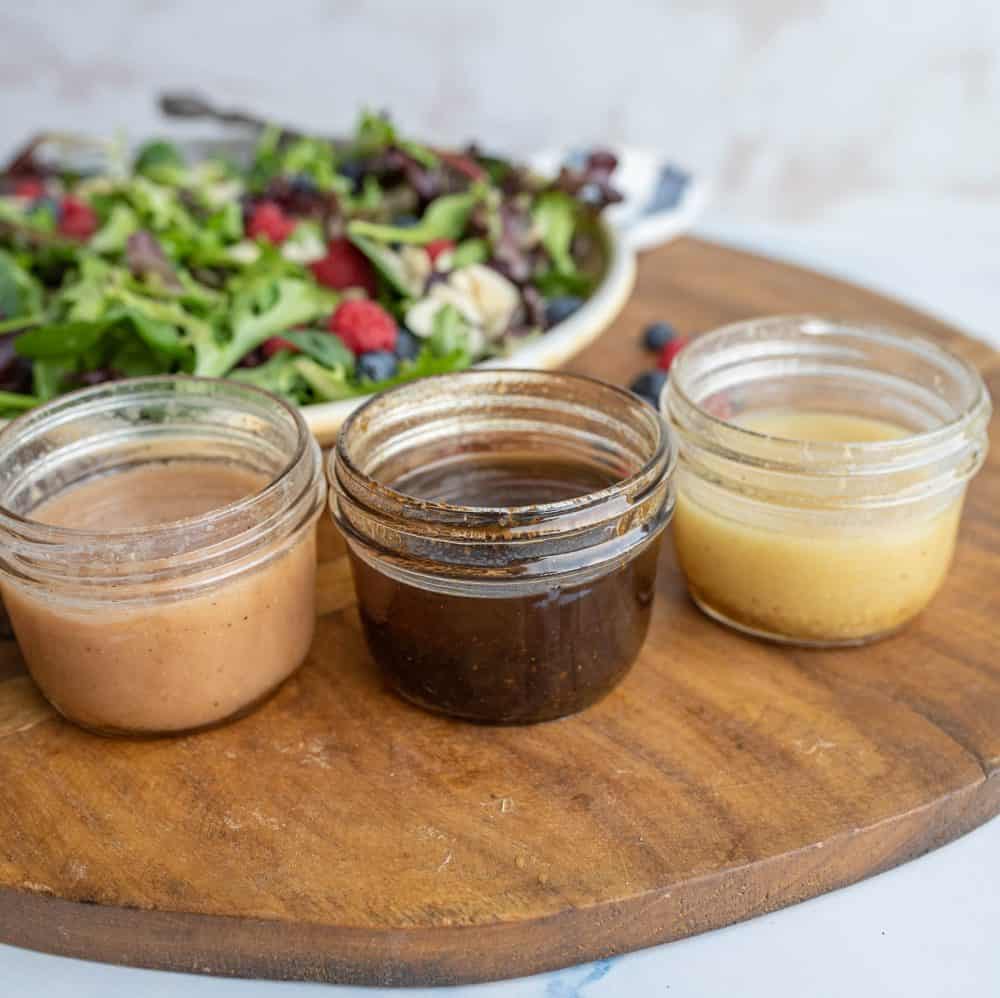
504	480
517	659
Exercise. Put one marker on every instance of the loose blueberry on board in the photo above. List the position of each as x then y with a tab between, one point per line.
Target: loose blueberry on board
407	345
649	384
377	365
657	335
561	307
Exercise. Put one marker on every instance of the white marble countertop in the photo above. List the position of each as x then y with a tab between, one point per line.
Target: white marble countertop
925	930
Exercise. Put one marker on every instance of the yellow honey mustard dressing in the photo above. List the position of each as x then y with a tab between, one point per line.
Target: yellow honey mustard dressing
812	576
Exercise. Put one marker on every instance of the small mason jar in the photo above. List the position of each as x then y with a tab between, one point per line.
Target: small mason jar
822	469
179	623
515	584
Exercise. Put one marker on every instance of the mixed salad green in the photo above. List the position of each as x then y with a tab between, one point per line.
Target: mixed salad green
318	270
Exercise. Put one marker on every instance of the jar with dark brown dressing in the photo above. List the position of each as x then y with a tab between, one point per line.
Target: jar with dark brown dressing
503	530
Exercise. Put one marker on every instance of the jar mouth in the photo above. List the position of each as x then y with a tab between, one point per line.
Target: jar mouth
813	363
531	513
109	428
45	418
487	415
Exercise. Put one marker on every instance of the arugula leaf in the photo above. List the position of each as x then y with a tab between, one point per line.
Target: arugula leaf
20	323
11	402
326	348
470	251
113	235
160	161
388	263
226	222
449	332
260	310
61	340
554	215
369	200
159	322
20	293
160	208
445	218
552	283
42	216
497	169
159	335
326	385
278	375
374	133
266	157
424	156
125	331
426	363
133	358
84	297
313	158
193	294
47	377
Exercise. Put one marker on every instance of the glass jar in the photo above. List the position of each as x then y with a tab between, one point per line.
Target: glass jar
180	623
504	613
841	532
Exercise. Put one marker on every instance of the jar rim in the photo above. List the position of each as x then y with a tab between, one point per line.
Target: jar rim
48	413
664	450
976	409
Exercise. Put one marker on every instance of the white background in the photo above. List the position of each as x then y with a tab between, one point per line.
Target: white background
860	136
863	135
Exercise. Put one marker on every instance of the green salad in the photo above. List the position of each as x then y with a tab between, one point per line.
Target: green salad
319	270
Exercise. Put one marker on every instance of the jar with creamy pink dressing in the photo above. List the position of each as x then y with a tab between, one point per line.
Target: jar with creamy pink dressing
158	550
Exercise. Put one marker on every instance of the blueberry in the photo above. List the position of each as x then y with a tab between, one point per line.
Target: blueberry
405	221
407	345
649	384
656	336
353	169
302	183
376	365
561	307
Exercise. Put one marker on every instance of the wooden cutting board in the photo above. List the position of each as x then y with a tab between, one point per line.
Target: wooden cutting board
340	834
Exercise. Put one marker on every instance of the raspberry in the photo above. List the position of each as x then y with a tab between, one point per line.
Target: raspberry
29	187
76	218
276	344
438	246
269	221
344	266
363	326
670	350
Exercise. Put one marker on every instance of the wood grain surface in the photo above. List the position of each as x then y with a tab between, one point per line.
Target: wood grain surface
339	834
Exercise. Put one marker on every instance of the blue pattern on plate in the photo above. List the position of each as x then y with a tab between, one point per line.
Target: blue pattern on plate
671	184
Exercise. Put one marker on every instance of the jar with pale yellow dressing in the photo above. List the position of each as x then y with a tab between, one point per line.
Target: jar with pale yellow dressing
822	470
